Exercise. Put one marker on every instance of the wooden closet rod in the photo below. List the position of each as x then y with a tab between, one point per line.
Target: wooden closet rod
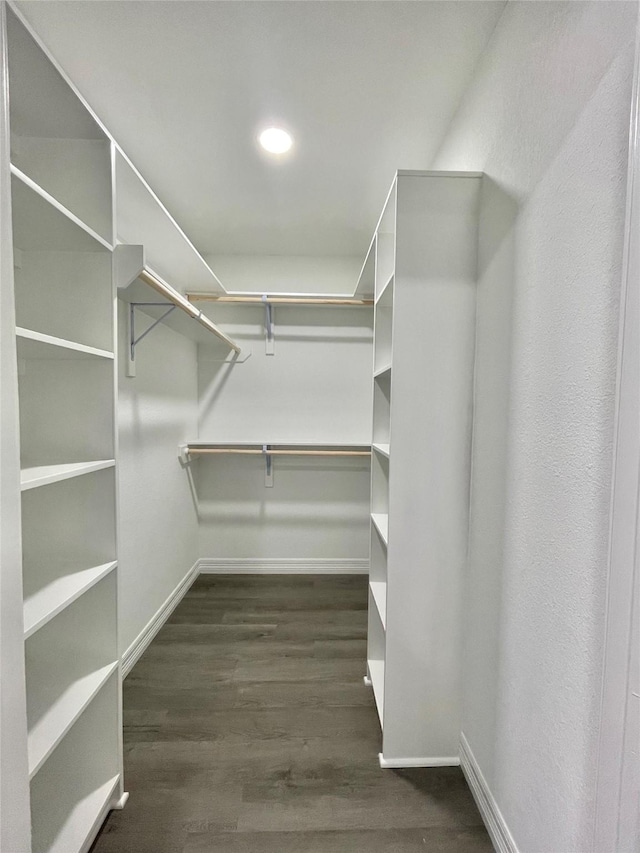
254	452
279	300
179	301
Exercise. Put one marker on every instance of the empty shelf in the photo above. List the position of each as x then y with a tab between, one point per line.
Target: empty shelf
379	593
376	673
385	294
43	475
382	371
381	523
38	345
47	733
381	448
85	818
43	224
47	602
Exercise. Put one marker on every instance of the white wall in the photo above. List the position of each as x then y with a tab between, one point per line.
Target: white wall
287	273
158	532
546	117
315	388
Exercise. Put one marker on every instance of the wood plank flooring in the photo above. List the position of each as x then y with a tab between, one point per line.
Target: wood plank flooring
248	729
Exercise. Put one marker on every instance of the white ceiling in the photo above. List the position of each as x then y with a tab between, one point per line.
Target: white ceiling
365	88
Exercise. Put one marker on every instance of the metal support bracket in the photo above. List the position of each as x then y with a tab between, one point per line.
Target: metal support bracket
268	467
268	326
133	341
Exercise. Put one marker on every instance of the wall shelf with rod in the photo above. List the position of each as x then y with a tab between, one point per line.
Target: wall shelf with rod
201	449
315	301
145	290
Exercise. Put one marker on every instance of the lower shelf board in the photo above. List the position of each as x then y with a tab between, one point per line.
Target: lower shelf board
47	602
85	819
44	475
376	673
47	733
381	523
379	593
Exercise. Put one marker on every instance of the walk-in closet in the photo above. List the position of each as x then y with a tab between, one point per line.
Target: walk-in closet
319	439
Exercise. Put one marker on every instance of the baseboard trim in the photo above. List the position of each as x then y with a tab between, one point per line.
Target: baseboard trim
491	814
139	645
286	566
432	761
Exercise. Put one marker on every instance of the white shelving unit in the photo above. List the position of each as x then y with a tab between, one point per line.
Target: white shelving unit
424	284
62	233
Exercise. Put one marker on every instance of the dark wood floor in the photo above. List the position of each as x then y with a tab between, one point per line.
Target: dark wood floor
248	729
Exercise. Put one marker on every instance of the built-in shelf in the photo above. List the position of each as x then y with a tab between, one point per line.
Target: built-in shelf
47	733
38	345
52	599
379	593
366	280
381	523
380	299
382	371
43	475
85	818
41	222
383	449
376	674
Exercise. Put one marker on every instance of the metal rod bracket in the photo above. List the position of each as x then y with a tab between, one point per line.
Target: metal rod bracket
268	467
268	326
133	340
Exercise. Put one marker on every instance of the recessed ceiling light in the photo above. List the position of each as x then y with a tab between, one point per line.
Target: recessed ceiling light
275	140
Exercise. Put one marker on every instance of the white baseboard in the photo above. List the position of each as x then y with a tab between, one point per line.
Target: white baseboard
139	645
491	814
286	566
435	761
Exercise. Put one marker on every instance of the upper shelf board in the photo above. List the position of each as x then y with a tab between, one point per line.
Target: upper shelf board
143	219
40	223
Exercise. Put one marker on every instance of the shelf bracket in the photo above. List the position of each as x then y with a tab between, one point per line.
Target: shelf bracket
268	326
131	331
268	467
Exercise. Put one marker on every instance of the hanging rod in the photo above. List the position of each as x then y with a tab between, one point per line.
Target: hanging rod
179	301
280	300
192	451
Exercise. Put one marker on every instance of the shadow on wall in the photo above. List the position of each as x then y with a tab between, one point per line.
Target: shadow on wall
489	503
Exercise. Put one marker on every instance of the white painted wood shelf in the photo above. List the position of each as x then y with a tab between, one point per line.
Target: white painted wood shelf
376	674
44	475
40	221
383	296
425	277
47	602
381	523
86	817
379	593
382	371
38	345
383	449
47	733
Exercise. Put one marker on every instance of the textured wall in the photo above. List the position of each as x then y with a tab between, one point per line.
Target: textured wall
157	411
546	117
316	387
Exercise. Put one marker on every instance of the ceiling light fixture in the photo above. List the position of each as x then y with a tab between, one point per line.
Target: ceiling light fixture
275	140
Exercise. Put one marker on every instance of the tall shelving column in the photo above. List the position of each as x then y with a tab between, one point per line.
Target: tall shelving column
425	274
62	227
